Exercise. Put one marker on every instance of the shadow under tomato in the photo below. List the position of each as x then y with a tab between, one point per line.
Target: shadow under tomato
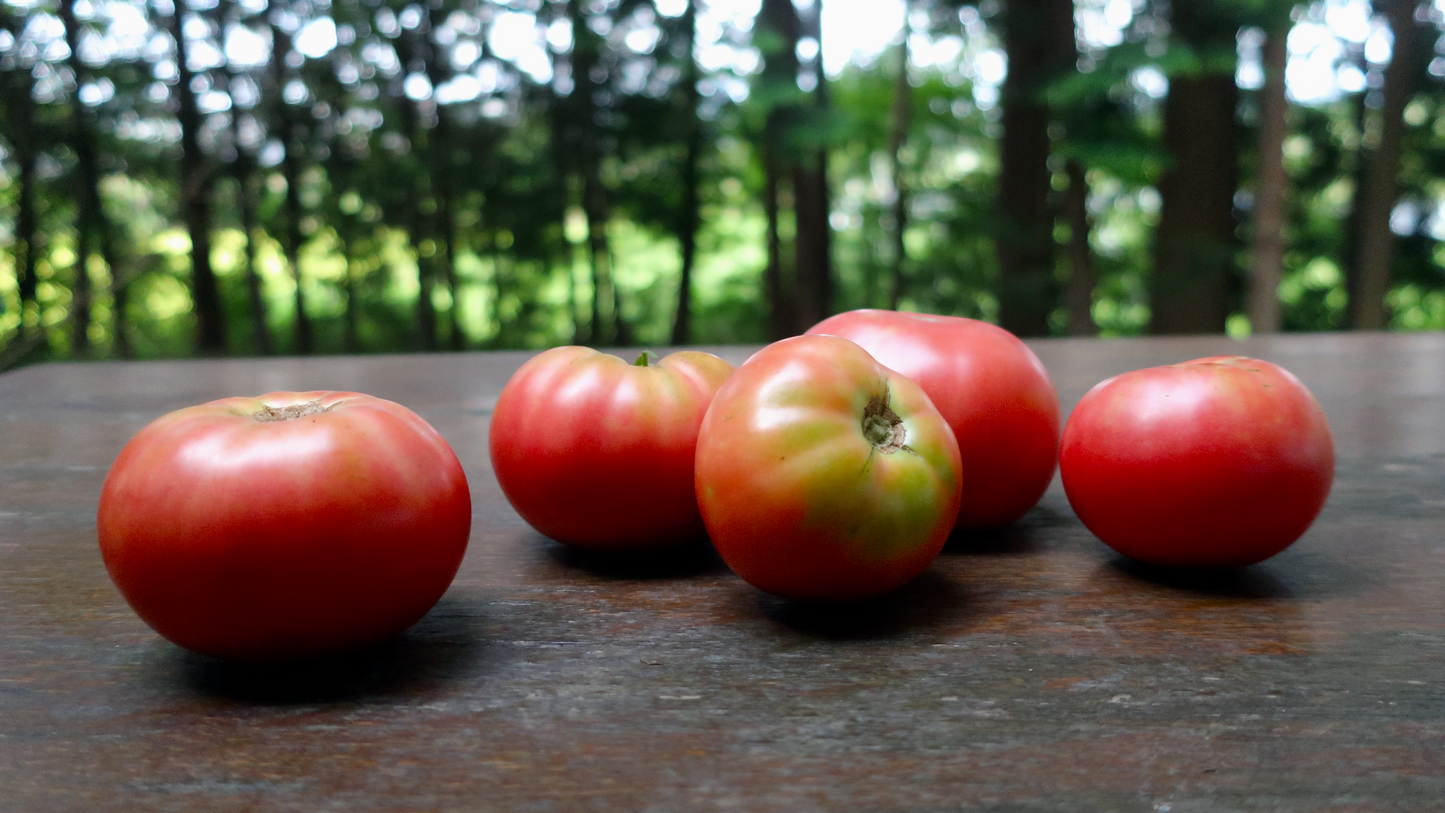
1010	540
689	560
443	646
1252	582
1023	537
928	601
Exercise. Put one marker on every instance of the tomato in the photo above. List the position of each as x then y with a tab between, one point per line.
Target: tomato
288	525
597	453
992	390
823	475
1217	462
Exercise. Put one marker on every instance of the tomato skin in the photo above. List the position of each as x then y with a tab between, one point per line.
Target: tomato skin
1217	462
597	453
990	387
797	500
266	540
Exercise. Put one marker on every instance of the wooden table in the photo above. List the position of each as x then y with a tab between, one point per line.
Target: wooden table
1027	670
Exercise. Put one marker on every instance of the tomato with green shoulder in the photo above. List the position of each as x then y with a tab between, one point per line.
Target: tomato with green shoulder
824	476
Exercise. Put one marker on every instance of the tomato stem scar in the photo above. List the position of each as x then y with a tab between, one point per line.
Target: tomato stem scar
882	426
271	414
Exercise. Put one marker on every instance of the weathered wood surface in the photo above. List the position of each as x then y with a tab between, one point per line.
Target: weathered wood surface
1027	670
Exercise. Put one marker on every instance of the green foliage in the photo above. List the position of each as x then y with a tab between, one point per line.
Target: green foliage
394	160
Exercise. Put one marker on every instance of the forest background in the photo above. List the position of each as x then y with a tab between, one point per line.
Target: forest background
244	177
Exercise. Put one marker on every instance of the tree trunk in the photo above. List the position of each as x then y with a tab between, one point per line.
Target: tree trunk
780	309
291	170
446	212
81	292
587	46
1194	244
255	293
605	304
810	206
811	200
288	129
89	215
446	224
27	232
1079	294
119	305
897	137
350	329
456	336
1375	199
490	249
1267	252
690	215
16	86
426	314
195	202
439	144
778	30
1039	40
243	171
563	151
417	223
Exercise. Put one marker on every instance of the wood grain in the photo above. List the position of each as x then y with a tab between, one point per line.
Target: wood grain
1027	670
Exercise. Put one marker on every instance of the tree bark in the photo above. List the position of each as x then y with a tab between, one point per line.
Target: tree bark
780	306
27	232
810	206
778	29
16	88
690	216
1267	252
350	328
446	212
443	166
1369	278
490	249
195	178
897	137
1079	293
811	199
426	314
607	323
90	222
243	172
1194	244
418	225
1039	40
439	144
255	293
291	164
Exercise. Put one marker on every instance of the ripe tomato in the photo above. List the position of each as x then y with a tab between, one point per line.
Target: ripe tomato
823	475
1217	462
597	453
289	525
992	390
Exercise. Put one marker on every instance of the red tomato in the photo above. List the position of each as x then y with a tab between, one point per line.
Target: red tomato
289	525
597	453
992	390
1217	462
823	475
